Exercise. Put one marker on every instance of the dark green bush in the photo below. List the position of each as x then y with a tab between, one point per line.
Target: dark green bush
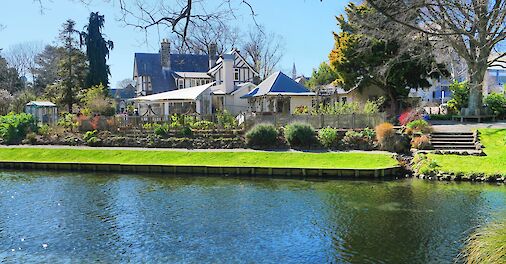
14	127
185	131
262	135
328	137
359	140
496	103
440	117
300	135
161	130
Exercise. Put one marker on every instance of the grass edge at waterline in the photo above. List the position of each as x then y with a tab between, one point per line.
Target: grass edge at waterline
344	160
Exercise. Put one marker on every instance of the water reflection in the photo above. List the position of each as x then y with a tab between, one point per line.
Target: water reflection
119	218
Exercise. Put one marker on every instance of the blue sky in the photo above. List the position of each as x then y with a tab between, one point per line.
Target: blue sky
305	25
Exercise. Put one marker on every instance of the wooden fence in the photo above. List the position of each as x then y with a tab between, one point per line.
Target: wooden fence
319	121
246	120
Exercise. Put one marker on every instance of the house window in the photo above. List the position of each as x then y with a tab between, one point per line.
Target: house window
180	84
236	74
344	99
194	82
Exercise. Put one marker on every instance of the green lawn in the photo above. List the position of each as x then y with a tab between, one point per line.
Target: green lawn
257	159
493	163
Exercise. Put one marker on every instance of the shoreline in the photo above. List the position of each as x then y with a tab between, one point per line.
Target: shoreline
174	170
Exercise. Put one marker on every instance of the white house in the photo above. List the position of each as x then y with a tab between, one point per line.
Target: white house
230	76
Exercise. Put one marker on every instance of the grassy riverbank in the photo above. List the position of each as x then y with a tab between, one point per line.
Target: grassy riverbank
351	160
492	164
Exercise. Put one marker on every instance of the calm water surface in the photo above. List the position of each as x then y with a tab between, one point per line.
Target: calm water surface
65	217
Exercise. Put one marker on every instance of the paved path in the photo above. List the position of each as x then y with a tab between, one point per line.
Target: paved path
452	126
184	150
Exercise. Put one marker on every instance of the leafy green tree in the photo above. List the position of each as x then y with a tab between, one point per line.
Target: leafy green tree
392	64
322	76
9	77
96	102
20	100
460	96
97	52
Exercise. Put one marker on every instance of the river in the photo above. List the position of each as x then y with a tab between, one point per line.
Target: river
85	217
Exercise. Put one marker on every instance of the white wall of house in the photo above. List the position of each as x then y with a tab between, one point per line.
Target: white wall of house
296	101
234	70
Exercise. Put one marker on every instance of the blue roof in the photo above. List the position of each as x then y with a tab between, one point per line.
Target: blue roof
278	83
149	64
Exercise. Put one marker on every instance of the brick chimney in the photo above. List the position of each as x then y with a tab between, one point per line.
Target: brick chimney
165	54
213	54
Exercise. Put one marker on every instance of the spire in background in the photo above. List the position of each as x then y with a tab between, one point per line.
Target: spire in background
294	72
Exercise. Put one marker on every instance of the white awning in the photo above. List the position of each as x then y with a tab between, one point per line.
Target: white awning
182	94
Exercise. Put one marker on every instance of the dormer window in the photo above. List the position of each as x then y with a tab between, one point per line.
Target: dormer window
236	74
180	83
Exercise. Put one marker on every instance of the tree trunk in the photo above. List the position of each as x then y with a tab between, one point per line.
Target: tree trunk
393	102
476	84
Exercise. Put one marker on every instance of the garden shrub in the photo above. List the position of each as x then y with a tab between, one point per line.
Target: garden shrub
90	134
384	132
300	135
422	142
226	120
390	140
358	140
496	103
31	138
203	125
262	135
328	137
68	121
147	126
161	130
369	134
14	127
409	116
423	165
418	126
185	131
44	130
90	137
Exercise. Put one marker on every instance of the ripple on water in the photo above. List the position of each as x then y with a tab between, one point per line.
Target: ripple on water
69	217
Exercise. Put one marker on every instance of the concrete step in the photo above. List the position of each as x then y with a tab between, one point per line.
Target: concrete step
439	142
452	139
451	135
442	146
